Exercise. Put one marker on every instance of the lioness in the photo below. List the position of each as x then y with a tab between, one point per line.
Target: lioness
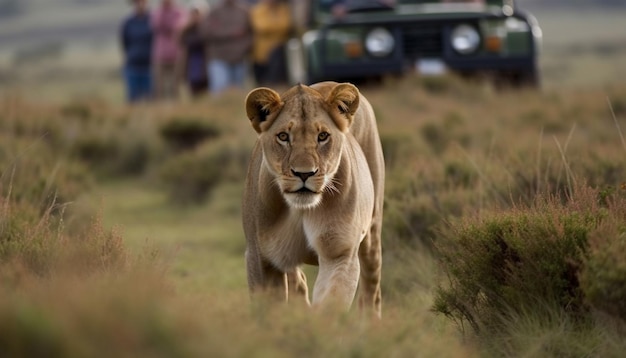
314	194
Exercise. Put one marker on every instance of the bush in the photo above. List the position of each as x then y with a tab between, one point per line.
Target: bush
37	244
397	147
187	133
603	278
34	173
517	260
110	155
191	176
79	295
77	110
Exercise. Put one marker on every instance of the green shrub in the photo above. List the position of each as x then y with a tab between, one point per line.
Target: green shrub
603	277
617	99
113	155
35	173
96	150
77	295
460	174
187	133
547	331
77	110
437	137
397	147
190	176
37	244
516	260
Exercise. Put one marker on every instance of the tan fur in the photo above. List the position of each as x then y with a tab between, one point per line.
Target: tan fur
336	222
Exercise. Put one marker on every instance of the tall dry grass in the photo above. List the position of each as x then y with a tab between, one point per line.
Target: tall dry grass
453	150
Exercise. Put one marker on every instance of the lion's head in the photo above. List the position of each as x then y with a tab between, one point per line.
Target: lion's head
302	135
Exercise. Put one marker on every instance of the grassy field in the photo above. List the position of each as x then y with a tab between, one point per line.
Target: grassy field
150	275
503	234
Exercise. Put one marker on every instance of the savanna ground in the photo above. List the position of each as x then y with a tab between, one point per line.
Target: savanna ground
504	228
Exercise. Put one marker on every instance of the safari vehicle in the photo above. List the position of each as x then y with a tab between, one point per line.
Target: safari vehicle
374	38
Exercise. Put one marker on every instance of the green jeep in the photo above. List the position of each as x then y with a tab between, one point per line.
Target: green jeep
374	38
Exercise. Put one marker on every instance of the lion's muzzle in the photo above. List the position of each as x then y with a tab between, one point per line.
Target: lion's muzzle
303	175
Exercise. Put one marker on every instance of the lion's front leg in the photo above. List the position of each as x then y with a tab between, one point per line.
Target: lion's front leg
264	278
337	281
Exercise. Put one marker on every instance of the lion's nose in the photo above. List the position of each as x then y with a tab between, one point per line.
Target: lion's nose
303	175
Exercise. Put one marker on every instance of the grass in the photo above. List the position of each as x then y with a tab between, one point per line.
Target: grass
198	239
81	182
458	151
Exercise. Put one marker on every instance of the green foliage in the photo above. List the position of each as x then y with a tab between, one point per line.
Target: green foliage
113	155
617	99
413	219
34	171
548	331
37	244
190	176
441	135
538	277
436	136
77	110
187	133
603	277
517	259
460	174
397	146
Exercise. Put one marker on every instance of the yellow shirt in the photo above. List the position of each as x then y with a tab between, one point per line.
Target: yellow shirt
271	26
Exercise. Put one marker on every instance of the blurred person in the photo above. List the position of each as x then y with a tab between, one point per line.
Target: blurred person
136	41
301	14
229	35
167	21
194	47
272	25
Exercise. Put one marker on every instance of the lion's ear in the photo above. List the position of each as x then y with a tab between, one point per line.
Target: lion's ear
262	106
343	98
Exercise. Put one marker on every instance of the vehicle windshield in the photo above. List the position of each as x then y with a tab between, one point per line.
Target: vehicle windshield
325	5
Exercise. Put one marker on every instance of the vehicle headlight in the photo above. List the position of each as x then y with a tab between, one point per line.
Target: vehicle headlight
465	39
379	42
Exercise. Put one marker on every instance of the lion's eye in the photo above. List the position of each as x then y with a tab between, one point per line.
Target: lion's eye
322	136
283	137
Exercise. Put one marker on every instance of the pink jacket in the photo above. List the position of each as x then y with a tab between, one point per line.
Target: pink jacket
166	24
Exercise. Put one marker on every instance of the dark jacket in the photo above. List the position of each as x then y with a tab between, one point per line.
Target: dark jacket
136	38
229	33
194	44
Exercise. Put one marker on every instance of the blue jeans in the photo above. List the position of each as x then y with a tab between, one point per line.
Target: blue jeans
223	75
138	83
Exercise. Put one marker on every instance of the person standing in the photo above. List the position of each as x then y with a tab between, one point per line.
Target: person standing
167	21
229	39
194	47
136	41
271	25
